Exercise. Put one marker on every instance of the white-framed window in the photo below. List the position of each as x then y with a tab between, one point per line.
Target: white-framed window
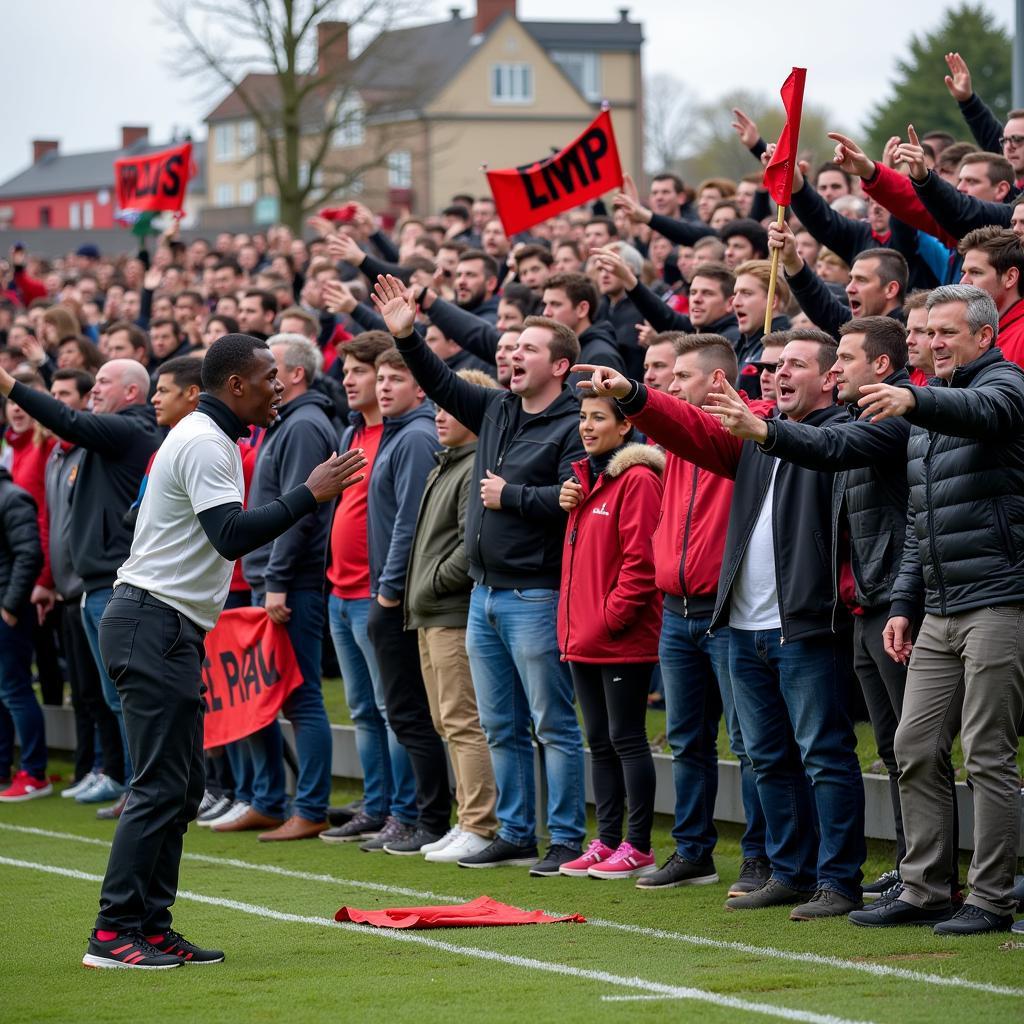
74	216
246	137
225	195
87	215
583	68
351	122
224	142
400	169
246	192
512	83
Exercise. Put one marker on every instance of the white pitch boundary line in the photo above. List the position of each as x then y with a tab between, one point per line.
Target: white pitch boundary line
654	988
818	959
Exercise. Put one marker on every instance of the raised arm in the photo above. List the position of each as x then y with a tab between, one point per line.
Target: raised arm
466	329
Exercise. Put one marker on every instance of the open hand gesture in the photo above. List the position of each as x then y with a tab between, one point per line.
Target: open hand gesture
332	477
883	401
396	304
608	259
632	207
735	415
342	247
958	81
745	129
337	297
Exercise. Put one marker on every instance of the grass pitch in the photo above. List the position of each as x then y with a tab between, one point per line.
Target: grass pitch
674	955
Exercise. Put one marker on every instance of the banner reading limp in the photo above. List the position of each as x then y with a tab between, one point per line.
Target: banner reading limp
588	167
156	181
250	668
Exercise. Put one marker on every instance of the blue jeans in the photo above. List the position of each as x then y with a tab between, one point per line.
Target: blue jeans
18	697
388	783
697	688
304	708
93	604
792	701
518	676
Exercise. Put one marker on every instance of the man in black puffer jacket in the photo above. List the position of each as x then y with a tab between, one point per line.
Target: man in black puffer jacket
21	558
962	568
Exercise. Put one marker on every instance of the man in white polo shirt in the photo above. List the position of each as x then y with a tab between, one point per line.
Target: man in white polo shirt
168	594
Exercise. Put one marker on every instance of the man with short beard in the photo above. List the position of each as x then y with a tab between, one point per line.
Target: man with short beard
476	281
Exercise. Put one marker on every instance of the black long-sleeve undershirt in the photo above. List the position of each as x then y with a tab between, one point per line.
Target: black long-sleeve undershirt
235	531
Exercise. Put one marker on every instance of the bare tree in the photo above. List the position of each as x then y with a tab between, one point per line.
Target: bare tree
671	120
309	101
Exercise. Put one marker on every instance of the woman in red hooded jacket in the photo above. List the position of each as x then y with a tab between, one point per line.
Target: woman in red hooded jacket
609	621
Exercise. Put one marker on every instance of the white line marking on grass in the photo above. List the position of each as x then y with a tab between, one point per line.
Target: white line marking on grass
818	959
655	988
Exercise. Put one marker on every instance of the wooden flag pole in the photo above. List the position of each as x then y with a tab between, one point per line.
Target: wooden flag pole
780	220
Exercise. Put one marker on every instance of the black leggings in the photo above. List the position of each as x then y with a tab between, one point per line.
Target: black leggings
613	699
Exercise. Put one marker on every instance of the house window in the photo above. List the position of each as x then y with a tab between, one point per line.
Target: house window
87	215
225	195
74	216
350	118
44	216
224	142
400	169
583	69
247	192
512	83
246	138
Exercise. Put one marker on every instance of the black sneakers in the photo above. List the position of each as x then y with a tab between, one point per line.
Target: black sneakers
171	943
772	894
892	913
504	854
754	872
881	884
972	920
358	828
392	832
411	845
825	903
130	950
557	855
678	871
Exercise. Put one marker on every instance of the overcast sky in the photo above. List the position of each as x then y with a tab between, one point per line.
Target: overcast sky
77	71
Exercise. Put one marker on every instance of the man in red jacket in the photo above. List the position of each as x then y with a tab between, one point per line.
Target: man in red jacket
994	261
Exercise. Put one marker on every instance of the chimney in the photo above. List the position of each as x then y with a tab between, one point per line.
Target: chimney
623	14
132	133
456	13
331	46
44	147
489	11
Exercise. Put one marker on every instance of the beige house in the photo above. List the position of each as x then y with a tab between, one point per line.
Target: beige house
429	105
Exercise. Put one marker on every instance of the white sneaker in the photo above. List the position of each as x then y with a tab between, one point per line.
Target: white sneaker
466	844
84	783
449	837
219	807
206	803
233	813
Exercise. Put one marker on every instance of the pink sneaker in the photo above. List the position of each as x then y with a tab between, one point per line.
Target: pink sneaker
625	862
596	853
24	787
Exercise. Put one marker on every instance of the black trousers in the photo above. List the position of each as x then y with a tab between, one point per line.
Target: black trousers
154	655
92	713
405	699
883	682
613	699
46	640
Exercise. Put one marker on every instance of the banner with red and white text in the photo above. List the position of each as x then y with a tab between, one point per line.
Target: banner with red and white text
248	671
154	182
587	168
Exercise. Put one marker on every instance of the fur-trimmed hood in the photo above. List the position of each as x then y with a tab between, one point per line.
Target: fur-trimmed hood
630	455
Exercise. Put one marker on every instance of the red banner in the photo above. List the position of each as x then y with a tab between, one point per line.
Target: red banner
154	182
249	669
587	168
778	175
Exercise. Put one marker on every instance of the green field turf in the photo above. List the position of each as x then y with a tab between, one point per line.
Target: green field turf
673	955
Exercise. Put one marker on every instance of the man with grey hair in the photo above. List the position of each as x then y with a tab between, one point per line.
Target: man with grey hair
617	307
850	207
960	577
119	438
287	578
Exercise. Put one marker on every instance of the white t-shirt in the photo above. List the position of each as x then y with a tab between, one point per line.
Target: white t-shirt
197	467
755	597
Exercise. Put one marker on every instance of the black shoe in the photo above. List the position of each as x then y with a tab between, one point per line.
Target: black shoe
754	872
502	854
338	816
412	845
1018	928
392	832
557	855
825	903
772	894
880	885
972	920
678	871
359	827
129	949
892	913
173	944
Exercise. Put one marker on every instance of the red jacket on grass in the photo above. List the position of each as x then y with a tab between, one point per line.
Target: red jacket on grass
609	608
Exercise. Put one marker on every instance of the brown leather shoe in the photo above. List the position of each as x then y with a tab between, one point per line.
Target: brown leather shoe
295	828
248	822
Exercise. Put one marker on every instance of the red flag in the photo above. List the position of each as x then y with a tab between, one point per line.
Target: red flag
588	167
248	671
154	182
478	913
778	175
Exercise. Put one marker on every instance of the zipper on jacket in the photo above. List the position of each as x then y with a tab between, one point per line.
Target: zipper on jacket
835	551
686	543
572	560
940	585
773	479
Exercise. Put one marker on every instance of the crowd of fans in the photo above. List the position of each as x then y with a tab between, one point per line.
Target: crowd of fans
592	475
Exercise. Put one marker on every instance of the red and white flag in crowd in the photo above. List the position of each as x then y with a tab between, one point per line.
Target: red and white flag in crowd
778	175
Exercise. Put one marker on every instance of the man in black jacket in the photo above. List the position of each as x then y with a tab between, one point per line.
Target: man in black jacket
778	592
119	438
528	440
572	300
21	558
961	568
